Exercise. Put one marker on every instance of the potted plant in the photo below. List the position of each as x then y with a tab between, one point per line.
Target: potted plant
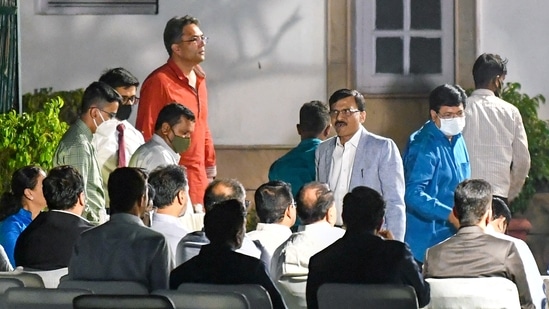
537	131
29	138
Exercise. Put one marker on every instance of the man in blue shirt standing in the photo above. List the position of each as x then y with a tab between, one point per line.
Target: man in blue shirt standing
435	162
297	167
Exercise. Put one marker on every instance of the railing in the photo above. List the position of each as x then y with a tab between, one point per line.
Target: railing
9	73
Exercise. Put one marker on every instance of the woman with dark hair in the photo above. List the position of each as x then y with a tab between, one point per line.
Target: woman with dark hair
20	206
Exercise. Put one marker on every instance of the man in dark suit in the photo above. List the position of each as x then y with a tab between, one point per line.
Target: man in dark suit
472	252
217	262
356	157
47	242
365	254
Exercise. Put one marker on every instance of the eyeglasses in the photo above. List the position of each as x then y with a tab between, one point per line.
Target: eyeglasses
344	112
111	115
197	39
451	115
130	100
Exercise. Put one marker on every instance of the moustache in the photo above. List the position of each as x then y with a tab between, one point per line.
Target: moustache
340	123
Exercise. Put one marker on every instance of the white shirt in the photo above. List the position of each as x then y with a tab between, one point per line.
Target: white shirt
154	153
496	139
271	236
343	158
535	282
105	141
171	227
290	262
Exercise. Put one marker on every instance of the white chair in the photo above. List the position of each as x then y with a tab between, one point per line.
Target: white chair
122	302
50	277
205	300
28	279
40	298
486	293
106	287
387	296
256	295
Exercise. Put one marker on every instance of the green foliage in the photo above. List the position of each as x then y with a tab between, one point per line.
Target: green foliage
29	138
537	131
33	102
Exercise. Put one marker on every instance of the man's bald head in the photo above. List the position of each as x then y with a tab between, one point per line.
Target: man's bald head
313	202
221	190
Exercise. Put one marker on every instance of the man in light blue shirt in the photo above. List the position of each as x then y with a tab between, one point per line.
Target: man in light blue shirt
435	162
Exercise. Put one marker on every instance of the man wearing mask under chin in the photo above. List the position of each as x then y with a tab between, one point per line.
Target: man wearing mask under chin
435	162
99	104
117	134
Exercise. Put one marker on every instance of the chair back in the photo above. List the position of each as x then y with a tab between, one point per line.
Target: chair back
50	277
40	298
122	302
388	296
205	300
489	292
6	283
256	295
106	287
28	279
186	251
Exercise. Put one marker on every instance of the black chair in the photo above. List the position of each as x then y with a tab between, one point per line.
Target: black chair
114	301
387	296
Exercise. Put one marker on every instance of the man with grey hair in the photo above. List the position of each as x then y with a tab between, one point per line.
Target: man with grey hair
290	262
218	191
472	252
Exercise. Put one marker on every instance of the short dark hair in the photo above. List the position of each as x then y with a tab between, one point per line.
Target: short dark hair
127	185
174	28
472	200
500	209
447	95
212	197
167	181
99	94
171	114
486	67
119	77
313	210
363	209
343	93
314	117
62	187
271	201
224	221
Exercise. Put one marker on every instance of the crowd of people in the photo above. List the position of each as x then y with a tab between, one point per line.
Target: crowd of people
124	197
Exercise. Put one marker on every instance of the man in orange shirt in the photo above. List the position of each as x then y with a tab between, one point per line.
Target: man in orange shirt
182	80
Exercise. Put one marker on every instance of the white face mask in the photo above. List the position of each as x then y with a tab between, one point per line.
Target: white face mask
452	126
107	127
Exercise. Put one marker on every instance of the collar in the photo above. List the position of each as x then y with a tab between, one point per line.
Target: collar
323	224
200	74
68	212
473	229
310	142
355	139
272	227
483	92
165	218
82	128
126	218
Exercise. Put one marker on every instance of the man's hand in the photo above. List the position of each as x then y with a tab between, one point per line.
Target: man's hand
386	234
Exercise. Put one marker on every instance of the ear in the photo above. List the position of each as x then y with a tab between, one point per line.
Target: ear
28	194
433	114
298	127
165	128
326	132
362	117
81	199
331	215
175	48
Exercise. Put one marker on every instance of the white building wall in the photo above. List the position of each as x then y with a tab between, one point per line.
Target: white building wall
264	59
517	30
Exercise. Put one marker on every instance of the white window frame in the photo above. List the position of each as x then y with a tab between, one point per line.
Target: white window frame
365	51
95	7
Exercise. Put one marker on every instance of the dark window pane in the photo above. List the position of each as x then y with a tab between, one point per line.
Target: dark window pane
425	14
389	55
389	14
425	56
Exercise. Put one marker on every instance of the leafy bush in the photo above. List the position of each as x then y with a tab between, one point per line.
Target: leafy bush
537	131
33	102
29	138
